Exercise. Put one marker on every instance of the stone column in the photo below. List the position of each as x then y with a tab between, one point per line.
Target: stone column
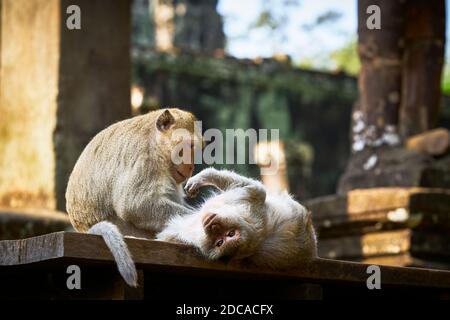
422	70
58	88
188	25
379	81
399	93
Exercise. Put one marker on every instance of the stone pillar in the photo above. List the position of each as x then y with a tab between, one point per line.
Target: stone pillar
399	93
422	70
379	81
58	88
188	25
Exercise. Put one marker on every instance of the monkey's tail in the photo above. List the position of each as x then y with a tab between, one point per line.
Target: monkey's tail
115	242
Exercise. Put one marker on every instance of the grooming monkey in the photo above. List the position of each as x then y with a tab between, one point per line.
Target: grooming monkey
126	184
244	224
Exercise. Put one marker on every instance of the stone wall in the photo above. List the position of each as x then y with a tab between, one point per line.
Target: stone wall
27	100
58	88
181	24
311	109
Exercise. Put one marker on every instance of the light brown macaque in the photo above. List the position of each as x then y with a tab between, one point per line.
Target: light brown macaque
244	223
125	183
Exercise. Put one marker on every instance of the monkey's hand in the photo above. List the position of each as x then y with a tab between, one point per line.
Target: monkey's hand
203	178
193	186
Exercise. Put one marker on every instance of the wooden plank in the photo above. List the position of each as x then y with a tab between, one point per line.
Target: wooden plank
63	247
36	249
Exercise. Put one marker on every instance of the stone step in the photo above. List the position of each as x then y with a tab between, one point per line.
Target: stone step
24	223
367	245
382	208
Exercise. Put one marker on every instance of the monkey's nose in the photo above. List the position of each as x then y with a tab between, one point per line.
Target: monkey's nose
208	219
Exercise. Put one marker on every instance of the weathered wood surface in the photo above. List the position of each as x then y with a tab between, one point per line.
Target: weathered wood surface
59	248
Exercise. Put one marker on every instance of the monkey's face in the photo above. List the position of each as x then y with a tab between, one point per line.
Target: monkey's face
178	141
226	233
182	163
223	237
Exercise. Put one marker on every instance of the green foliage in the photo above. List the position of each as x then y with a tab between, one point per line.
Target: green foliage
446	78
329	16
274	18
273	112
346	58
266	19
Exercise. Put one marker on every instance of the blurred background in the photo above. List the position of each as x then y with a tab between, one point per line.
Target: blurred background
290	65
363	113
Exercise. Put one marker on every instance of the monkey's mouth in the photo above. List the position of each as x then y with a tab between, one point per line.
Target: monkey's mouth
181	174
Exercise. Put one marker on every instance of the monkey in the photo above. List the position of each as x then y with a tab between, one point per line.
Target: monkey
125	182
243	224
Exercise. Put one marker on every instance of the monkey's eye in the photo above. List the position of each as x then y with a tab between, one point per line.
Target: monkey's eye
219	243
231	233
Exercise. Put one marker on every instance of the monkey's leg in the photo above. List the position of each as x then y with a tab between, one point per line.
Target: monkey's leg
221	179
182	229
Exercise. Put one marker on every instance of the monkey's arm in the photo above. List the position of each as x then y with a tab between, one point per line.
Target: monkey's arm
221	179
147	209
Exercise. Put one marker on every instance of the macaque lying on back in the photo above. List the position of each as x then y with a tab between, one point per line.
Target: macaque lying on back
242	223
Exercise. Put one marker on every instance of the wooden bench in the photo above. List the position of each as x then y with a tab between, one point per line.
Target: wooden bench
37	268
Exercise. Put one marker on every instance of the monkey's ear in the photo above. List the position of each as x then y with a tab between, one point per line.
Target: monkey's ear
165	121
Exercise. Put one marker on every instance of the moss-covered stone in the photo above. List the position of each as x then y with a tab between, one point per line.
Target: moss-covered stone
311	109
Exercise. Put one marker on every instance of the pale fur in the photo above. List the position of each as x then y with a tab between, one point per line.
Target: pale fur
115	242
123	177
276	231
